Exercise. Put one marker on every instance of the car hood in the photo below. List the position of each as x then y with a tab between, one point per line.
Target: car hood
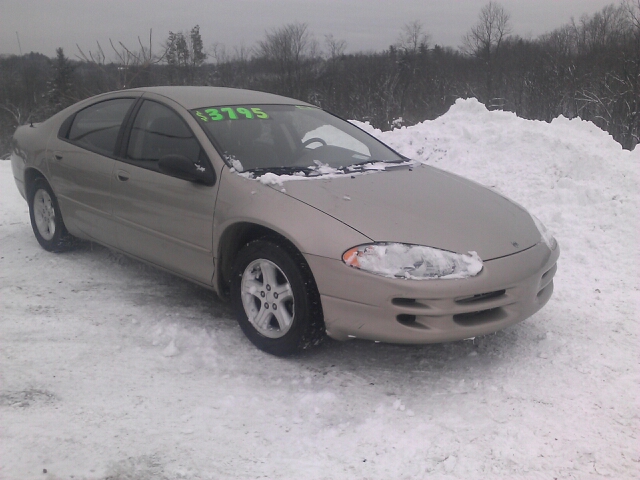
423	206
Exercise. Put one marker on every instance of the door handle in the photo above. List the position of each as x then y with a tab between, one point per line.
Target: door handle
122	175
57	155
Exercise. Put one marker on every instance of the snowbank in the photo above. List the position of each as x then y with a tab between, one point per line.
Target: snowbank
111	369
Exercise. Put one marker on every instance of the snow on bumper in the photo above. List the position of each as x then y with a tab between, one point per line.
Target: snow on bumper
357	304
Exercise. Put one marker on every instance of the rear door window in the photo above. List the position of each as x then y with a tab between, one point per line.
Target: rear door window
96	127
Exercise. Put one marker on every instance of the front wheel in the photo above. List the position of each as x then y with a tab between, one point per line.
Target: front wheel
46	219
276	299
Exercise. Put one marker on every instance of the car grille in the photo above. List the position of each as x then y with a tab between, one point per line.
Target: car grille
472	319
479	297
470	310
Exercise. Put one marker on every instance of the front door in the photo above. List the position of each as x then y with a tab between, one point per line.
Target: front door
160	218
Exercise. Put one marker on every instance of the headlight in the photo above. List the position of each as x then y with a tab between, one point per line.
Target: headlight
547	238
415	262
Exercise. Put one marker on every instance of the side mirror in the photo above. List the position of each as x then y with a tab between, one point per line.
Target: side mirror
180	166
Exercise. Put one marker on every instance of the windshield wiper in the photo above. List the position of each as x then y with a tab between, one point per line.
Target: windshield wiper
360	166
282	170
314	170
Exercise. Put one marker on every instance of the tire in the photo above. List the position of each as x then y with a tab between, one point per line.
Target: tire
46	219
276	298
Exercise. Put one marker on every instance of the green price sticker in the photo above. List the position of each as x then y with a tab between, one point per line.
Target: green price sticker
231	113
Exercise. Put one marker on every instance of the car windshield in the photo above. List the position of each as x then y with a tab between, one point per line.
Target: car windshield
288	137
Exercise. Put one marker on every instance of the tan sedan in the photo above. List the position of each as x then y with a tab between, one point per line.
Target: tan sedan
307	224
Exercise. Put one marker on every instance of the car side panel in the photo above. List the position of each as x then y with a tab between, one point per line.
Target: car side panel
164	220
246	200
29	150
82	182
81	179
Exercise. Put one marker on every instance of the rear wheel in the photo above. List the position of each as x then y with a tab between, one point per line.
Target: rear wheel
276	299
46	219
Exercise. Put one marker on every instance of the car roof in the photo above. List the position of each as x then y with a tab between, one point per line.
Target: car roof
195	97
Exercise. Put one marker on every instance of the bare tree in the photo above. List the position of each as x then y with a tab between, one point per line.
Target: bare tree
131	65
603	29
411	54
484	41
413	38
291	49
633	76
218	53
19	116
633	8
335	47
487	35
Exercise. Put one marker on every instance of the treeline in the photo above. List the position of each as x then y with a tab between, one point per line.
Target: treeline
589	68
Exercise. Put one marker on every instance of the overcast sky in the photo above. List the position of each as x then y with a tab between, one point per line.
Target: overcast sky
44	25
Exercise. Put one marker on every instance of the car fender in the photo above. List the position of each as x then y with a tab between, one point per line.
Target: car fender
29	151
311	231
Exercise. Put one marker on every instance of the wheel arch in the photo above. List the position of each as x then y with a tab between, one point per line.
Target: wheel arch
30	176
234	238
57	239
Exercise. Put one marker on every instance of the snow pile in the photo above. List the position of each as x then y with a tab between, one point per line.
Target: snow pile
570	174
111	369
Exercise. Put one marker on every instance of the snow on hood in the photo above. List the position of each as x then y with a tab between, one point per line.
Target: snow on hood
320	170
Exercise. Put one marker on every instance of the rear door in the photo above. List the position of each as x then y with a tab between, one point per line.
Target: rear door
82	164
159	218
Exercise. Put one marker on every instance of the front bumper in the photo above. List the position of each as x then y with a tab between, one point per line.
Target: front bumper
508	290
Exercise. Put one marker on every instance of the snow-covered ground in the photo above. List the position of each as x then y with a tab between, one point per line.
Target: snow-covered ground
113	370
